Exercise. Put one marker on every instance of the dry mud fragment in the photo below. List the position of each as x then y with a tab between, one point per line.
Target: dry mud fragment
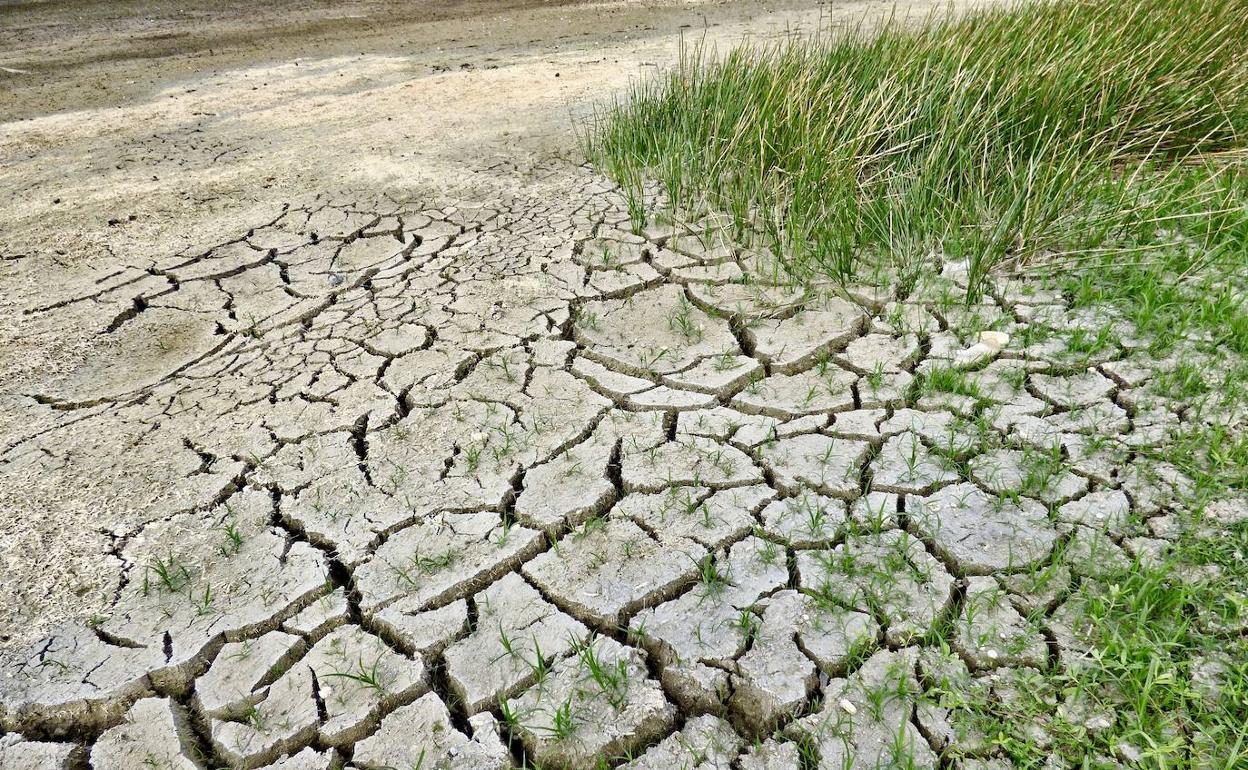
1071	392
74	681
704	743
308	759
805	521
1108	511
155	733
980	534
830	466
949	435
772	755
344	513
697	636
335	694
567	490
233	683
1089	552
320	617
284	721
688	460
857	728
889	571
357	678
881	353
712	518
720	376
796	638
992	633
200	579
959	731
905	465
743	431
654	332
19	754
598	702
517	633
794	342
605	571
420	734
819	390
417	631
447	556
1035	475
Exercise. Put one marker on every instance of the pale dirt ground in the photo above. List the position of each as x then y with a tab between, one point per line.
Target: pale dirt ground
175	122
342	412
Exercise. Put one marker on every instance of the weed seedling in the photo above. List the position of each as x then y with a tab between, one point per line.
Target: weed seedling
369	676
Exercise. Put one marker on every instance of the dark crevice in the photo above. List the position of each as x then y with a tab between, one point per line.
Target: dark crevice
138	305
359	444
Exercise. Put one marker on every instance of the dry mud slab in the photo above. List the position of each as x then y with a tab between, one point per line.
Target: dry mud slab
482	480
506	480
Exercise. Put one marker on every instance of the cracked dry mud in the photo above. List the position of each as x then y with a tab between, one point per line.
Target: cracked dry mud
501	482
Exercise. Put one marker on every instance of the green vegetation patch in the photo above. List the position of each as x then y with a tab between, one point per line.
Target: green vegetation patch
1099	146
1077	134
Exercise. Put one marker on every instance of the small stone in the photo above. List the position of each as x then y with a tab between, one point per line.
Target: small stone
995	340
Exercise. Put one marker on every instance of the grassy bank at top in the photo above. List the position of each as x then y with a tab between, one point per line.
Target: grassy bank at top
1079	135
1101	145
